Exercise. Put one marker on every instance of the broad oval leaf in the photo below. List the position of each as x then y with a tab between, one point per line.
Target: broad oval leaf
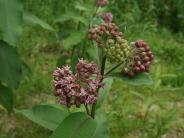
76	125
33	20
10	20
73	39
6	97
10	65
139	79
48	116
102	130
104	91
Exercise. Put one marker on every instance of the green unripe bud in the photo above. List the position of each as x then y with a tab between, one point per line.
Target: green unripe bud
105	49
112	48
127	53
109	53
132	43
117	51
123	46
107	32
122	53
142	48
122	58
119	56
117	45
119	39
110	41
123	41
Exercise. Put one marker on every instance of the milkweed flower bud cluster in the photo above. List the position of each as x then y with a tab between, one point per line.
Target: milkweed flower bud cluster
79	88
142	58
107	17
117	50
105	30
101	3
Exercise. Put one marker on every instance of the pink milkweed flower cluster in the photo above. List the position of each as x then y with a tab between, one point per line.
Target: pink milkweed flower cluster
79	88
101	3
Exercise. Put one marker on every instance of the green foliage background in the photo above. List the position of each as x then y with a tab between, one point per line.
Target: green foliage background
131	111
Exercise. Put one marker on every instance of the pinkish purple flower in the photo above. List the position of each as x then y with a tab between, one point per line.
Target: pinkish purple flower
85	70
101	3
79	88
107	17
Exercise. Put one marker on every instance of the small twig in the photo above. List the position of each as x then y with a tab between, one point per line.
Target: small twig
115	67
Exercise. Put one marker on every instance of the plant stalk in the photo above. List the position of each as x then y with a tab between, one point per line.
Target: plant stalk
87	109
93	109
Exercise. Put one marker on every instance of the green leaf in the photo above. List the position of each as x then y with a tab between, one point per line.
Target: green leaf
76	125
139	79
80	7
74	61
26	70
72	17
68	60
48	116
10	65
97	20
11	20
93	53
63	60
102	130
104	91
33	20
73	39
6	97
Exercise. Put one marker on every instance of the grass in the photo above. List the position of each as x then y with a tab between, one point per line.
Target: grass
143	112
131	111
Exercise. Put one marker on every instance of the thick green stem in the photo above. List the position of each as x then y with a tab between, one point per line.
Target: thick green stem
93	109
103	66
87	109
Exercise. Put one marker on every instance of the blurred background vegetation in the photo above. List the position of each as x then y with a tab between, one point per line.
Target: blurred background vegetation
149	112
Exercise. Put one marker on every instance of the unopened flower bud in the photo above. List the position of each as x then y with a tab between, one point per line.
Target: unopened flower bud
107	17
109	30
142	67
139	43
142	58
101	3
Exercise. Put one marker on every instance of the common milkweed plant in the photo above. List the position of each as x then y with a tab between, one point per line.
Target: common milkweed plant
81	92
